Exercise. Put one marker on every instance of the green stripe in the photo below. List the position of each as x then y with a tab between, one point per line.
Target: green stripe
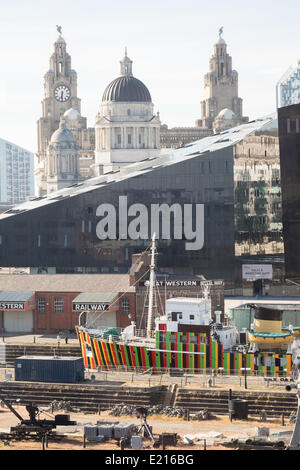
157	339
168	358
116	354
157	359
225	363
179	347
202	356
128	362
107	353
191	355
213	354
100	352
147	358
136	356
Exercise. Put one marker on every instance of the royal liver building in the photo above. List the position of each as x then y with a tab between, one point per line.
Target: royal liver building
65	157
221	108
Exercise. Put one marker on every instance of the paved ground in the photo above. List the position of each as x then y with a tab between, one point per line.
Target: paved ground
221	426
129	379
37	339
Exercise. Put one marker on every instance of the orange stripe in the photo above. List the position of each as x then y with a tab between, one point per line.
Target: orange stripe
91	359
82	344
111	346
97	351
107	363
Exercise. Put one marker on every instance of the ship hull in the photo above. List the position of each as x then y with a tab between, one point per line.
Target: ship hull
193	358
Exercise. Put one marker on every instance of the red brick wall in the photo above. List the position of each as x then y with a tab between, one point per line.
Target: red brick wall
51	322
122	319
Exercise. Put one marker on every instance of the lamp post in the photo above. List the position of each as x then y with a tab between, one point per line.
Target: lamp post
2	321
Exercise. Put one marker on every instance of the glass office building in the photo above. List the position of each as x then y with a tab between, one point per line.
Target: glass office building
257	195
16	173
288	87
289	138
190	194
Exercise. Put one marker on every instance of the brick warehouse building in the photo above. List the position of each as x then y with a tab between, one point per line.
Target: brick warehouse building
45	303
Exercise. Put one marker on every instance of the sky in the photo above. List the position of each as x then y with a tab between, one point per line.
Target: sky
169	41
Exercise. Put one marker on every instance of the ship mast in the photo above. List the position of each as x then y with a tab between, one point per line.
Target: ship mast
151	287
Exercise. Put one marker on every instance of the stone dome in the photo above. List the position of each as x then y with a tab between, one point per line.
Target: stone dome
221	41
62	135
72	114
126	88
226	114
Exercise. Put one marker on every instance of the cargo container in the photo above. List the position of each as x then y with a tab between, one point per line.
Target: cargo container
49	369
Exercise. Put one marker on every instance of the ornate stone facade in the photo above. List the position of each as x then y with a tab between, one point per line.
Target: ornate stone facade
62	163
60	100
126	129
177	137
220	90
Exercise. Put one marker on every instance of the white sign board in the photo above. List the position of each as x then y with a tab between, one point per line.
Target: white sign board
257	271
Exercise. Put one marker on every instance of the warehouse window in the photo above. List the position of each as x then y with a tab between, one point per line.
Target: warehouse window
125	306
58	304
41	304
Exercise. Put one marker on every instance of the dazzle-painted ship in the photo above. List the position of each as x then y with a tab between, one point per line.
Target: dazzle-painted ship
192	343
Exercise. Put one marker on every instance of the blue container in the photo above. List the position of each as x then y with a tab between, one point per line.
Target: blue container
49	369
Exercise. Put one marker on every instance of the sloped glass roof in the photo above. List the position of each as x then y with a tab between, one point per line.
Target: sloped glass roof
193	150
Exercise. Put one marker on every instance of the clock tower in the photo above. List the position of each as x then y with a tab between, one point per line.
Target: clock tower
60	95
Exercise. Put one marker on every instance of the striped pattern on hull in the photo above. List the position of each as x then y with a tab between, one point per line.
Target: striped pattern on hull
196	355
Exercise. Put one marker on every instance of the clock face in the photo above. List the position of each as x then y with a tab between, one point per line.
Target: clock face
62	93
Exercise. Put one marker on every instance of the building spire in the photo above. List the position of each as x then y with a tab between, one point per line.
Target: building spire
59	30
126	65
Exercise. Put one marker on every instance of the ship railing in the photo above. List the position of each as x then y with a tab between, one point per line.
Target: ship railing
139	333
191	374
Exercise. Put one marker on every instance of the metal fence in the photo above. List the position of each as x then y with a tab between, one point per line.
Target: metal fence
220	372
207	377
